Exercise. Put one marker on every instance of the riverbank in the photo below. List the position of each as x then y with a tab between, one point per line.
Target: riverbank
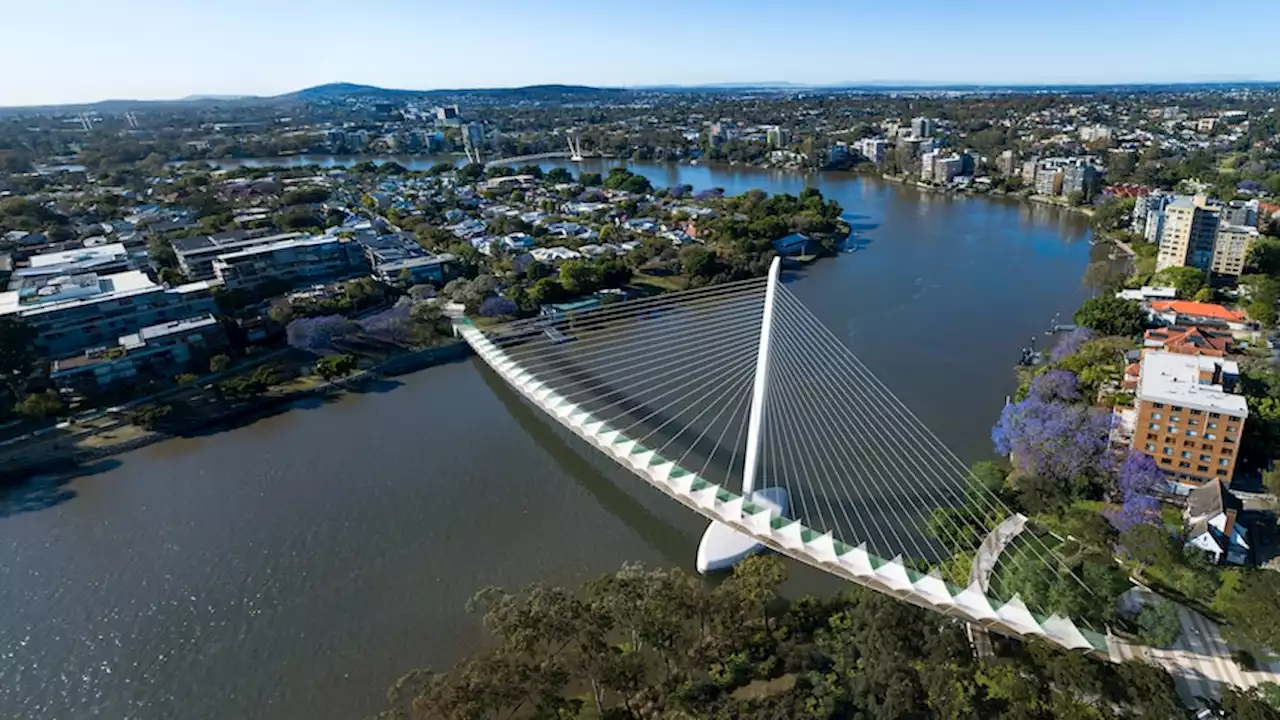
79	444
1056	202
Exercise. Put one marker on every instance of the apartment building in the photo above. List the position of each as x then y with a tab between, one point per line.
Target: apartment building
1188	419
1231	248
73	313
291	262
196	254
1188	233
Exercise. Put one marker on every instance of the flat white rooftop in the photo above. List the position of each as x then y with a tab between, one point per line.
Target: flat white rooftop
1174	378
73	290
112	251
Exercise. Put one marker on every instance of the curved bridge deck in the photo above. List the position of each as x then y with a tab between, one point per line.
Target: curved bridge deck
786	536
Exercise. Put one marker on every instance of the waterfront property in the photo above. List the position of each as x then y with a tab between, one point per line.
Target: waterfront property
73	313
1188	419
158	351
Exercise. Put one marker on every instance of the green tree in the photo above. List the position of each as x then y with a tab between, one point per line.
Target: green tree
1186	280
1110	315
219	363
757	578
1271	479
698	261
42	405
557	176
579	277
335	366
1158	623
1204	295
471	172
591	179
17	352
150	415
1250	601
440	168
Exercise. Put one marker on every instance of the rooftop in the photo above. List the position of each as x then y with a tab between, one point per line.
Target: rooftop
69	290
175	327
295	240
98	253
1175	378
1197	309
226	242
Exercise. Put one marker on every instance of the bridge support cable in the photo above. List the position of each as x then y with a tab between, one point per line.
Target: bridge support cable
729	321
895	478
640	305
850	464
912	466
693	421
978	508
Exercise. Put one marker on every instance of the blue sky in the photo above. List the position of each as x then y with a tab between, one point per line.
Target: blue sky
58	51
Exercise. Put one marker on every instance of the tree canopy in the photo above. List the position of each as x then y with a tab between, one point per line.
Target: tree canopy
1109	315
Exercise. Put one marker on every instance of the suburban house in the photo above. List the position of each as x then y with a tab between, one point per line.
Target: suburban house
1186	312
1189	340
1211	523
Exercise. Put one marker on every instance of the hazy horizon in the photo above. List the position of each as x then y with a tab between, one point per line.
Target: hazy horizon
83	51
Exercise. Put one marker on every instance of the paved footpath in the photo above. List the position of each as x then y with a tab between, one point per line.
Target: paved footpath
1200	661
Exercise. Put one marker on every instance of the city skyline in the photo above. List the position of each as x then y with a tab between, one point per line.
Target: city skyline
77	51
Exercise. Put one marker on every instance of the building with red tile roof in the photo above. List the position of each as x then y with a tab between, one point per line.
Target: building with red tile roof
1187	312
1189	340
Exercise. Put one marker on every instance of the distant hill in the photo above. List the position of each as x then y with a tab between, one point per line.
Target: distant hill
531	92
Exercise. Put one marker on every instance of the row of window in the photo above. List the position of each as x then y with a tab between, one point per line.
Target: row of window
1221	472
1212	424
1173	442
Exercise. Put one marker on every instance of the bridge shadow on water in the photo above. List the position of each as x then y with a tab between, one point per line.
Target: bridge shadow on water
675	546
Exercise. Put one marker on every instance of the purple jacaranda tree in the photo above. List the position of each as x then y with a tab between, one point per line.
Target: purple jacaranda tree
1053	440
1055	386
496	306
1068	344
318	333
1138	510
391	325
1139	476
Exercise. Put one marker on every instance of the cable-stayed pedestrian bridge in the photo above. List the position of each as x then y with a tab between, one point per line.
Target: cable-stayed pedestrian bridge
735	401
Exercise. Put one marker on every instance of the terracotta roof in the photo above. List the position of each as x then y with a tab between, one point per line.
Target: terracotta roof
1192	340
1197	309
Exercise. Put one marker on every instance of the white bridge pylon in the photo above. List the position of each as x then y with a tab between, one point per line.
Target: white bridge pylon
756	515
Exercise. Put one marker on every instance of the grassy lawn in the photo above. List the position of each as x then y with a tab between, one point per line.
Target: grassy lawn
663	283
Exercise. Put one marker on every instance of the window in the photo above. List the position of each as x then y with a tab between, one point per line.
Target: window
1210	436
1202	468
1229	440
1205	458
1222	473
1197	412
1207	447
1172	430
1177	408
1225	462
1192	433
1193	423
1213	425
1184	464
1151	447
1152	436
1155	416
1226	451
1186	454
1168	451
1153	426
1166	461
1175	419
1215	415
1157	405
1189	443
